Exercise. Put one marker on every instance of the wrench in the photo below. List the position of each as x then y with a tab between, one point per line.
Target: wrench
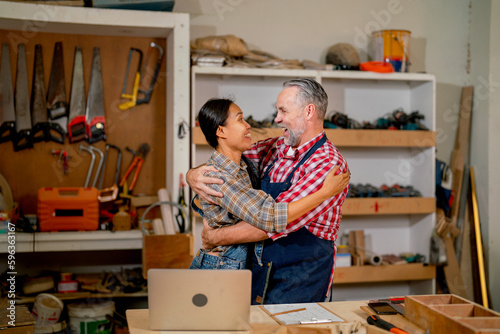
89	173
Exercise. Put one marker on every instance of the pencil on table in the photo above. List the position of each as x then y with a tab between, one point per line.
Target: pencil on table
291	311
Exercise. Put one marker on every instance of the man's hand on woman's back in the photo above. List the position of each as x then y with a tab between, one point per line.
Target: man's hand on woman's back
198	182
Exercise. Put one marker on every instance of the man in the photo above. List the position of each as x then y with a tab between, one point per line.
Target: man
294	266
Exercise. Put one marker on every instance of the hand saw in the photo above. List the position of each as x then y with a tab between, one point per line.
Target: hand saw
24	138
42	128
57	105
137	78
77	124
7	113
96	120
39	117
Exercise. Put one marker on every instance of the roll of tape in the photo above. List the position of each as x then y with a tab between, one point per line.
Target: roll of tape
375	260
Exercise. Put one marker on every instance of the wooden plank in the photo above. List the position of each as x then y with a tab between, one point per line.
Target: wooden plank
452	269
459	154
465	257
357	247
166	251
23	321
483	322
383	273
389	206
347	138
452	273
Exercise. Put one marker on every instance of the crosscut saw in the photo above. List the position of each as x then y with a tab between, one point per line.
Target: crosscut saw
39	116
77	124
7	113
42	128
57	103
96	120
23	138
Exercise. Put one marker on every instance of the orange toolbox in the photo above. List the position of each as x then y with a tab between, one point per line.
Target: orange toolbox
68	209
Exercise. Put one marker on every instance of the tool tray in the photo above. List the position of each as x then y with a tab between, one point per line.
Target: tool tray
450	314
165	251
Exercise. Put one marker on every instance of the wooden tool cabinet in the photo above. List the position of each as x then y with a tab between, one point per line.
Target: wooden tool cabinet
156	123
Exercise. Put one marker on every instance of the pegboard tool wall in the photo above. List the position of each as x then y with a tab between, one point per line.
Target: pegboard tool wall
28	170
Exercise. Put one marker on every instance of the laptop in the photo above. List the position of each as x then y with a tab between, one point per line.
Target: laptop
198	299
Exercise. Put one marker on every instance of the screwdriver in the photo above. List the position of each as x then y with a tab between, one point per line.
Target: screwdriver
375	320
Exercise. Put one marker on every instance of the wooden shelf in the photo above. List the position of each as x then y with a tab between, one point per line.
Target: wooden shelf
348	138
340	75
389	206
74	241
85	295
384	206
384	273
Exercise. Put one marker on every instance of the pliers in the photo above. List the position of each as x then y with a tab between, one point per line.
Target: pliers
136	163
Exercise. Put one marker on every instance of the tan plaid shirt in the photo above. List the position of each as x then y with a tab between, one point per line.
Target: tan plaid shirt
241	201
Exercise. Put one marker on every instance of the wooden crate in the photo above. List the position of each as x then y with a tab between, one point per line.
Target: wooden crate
450	314
166	251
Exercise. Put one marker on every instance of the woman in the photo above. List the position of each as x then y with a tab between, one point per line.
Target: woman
226	130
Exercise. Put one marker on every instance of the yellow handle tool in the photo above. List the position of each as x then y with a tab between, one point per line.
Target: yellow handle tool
137	79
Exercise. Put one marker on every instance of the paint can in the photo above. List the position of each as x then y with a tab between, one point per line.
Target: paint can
47	309
90	318
392	46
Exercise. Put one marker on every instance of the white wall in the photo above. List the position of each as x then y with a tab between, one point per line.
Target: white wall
492	184
295	29
450	38
486	134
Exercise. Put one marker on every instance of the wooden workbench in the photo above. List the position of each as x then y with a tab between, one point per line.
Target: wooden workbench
261	322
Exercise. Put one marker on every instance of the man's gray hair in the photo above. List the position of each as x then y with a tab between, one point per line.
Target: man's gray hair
310	91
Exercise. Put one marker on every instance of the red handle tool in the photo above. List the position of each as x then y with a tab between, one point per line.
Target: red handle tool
375	320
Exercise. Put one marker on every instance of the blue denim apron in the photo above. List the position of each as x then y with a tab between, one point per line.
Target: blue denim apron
295	268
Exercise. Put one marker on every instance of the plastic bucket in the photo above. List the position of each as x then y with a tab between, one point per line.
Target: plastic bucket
47	309
392	46
90	318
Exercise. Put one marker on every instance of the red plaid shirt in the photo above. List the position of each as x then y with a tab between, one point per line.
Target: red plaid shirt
323	221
